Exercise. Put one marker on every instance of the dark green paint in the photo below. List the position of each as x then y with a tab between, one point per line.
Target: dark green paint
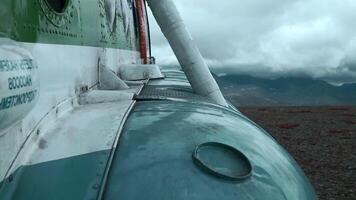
83	22
73	178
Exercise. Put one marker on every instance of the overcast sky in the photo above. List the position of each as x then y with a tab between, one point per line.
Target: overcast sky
271	38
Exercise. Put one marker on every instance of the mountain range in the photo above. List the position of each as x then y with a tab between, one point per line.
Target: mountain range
245	90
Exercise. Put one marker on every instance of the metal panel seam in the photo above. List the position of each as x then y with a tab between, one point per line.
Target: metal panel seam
113	150
36	128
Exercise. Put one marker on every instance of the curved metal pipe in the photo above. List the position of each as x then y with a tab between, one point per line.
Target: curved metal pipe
187	53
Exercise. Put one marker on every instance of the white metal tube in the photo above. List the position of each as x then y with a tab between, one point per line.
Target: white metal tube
187	53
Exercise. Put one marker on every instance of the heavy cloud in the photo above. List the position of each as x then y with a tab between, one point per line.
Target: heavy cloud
314	38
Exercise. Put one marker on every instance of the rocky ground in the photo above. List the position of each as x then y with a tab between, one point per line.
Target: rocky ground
321	139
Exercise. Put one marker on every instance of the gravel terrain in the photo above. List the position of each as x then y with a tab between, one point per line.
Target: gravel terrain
321	139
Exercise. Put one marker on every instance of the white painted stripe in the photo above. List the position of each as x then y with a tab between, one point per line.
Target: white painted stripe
63	70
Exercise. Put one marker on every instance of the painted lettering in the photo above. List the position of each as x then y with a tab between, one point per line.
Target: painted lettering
19	82
16	65
16	100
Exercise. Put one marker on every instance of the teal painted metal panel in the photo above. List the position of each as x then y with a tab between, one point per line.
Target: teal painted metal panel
155	161
72	178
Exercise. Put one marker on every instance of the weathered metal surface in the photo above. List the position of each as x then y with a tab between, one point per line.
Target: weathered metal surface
93	127
84	23
173	92
154	156
222	161
61	78
72	178
19	83
62	150
140	72
69	160
154	160
66	48
107	96
108	79
160	137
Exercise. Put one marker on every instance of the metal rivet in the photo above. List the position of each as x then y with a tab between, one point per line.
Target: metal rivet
11	178
96	186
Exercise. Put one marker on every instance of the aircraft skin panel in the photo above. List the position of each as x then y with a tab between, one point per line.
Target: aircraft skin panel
156	146
72	178
62	51
66	134
59	161
57	80
83	23
153	158
96	124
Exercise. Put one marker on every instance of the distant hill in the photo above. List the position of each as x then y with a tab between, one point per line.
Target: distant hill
244	90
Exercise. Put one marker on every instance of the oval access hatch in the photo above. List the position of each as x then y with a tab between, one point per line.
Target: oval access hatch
222	161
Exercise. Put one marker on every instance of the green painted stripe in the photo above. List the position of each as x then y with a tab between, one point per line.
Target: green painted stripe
83	23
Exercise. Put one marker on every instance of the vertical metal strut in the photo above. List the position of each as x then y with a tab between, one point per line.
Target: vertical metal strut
187	53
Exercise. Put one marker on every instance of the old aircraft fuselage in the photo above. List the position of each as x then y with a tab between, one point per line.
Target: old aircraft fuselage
86	114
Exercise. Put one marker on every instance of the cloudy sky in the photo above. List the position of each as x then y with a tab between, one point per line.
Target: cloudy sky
271	38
